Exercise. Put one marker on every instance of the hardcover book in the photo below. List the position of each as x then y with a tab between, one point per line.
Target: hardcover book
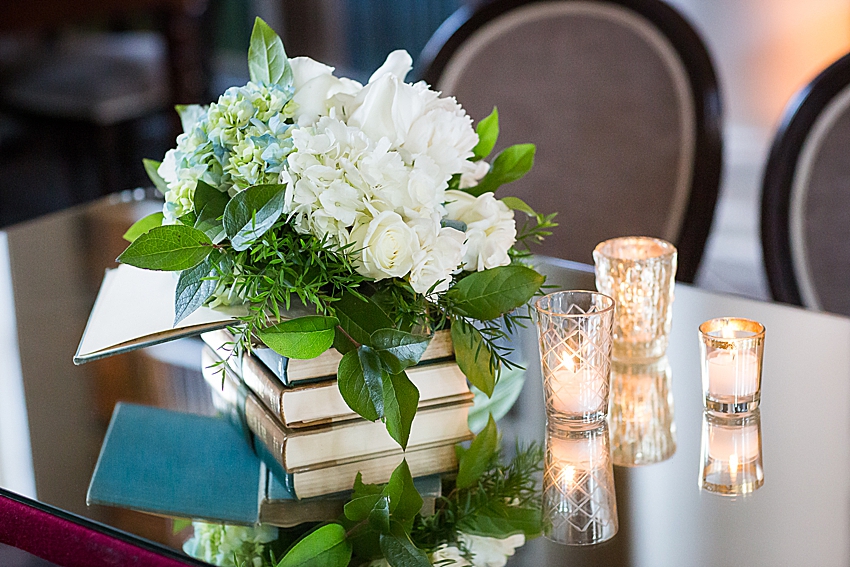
320	403
298	450
178	464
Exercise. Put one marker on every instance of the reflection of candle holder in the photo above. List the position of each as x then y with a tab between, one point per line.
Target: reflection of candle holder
579	503
732	351
642	428
731	454
638	273
574	328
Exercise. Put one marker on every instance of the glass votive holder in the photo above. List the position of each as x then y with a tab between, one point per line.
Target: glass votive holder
638	273
579	501
574	328
641	419
732	351
731	454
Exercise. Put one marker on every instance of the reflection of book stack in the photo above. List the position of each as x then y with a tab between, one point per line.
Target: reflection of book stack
309	437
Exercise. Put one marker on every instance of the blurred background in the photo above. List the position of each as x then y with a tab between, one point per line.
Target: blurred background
87	88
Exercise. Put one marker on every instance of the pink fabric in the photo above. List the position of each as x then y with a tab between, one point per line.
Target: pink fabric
68	543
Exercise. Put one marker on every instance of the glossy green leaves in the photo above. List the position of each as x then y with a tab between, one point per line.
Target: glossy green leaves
302	338
169	248
488	134
492	293
194	288
143	225
511	164
324	547
267	61
250	213
477	459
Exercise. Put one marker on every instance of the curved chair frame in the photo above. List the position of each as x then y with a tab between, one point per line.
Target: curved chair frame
799	117
703	83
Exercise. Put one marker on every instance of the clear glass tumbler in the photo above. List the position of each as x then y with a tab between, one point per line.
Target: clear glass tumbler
642	427
732	350
579	502
638	273
731	454
574	328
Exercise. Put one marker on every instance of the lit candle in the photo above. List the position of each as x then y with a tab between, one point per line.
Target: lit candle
577	389
733	444
732	373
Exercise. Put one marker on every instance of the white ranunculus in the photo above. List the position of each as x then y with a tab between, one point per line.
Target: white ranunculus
490	228
436	264
386	246
315	86
386	108
398	63
473	172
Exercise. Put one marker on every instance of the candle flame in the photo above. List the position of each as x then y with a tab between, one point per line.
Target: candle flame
568	362
568	475
733	467
727	333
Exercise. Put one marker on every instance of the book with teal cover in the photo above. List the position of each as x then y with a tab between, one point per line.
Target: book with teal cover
176	464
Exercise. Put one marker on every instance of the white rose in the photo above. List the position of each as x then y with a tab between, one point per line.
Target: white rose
398	63
386	246
386	108
490	228
436	264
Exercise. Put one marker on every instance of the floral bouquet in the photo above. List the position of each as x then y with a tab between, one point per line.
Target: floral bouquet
372	206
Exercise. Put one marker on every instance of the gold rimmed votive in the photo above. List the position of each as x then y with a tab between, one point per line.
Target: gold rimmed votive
731	454
643	431
732	352
574	328
579	501
638	273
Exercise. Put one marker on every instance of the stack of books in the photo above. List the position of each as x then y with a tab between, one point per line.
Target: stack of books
307	436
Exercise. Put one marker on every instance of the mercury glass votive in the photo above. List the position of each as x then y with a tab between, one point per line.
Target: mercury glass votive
579	502
641	419
732	351
574	328
731	454
638	273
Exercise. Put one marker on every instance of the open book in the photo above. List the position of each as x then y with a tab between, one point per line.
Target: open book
135	308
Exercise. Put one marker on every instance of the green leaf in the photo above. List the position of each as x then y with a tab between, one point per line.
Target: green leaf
405	501
492	293
361	489
400	400
188	219
193	290
359	509
379	516
324	547
517	204
500	520
398	349
209	204
151	167
472	355
488	133
180	524
143	225
362	389
511	164
301	338
504	396
267	61
360	318
170	248
400	551
474	461
250	213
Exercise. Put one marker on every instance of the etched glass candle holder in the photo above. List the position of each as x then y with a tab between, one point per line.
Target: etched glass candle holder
574	328
579	502
638	273
642	427
731	454
732	350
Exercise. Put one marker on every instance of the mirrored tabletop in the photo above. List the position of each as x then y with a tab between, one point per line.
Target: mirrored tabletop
54	415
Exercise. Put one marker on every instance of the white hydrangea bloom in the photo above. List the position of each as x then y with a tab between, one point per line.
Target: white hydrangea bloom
484	551
490	228
220	544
